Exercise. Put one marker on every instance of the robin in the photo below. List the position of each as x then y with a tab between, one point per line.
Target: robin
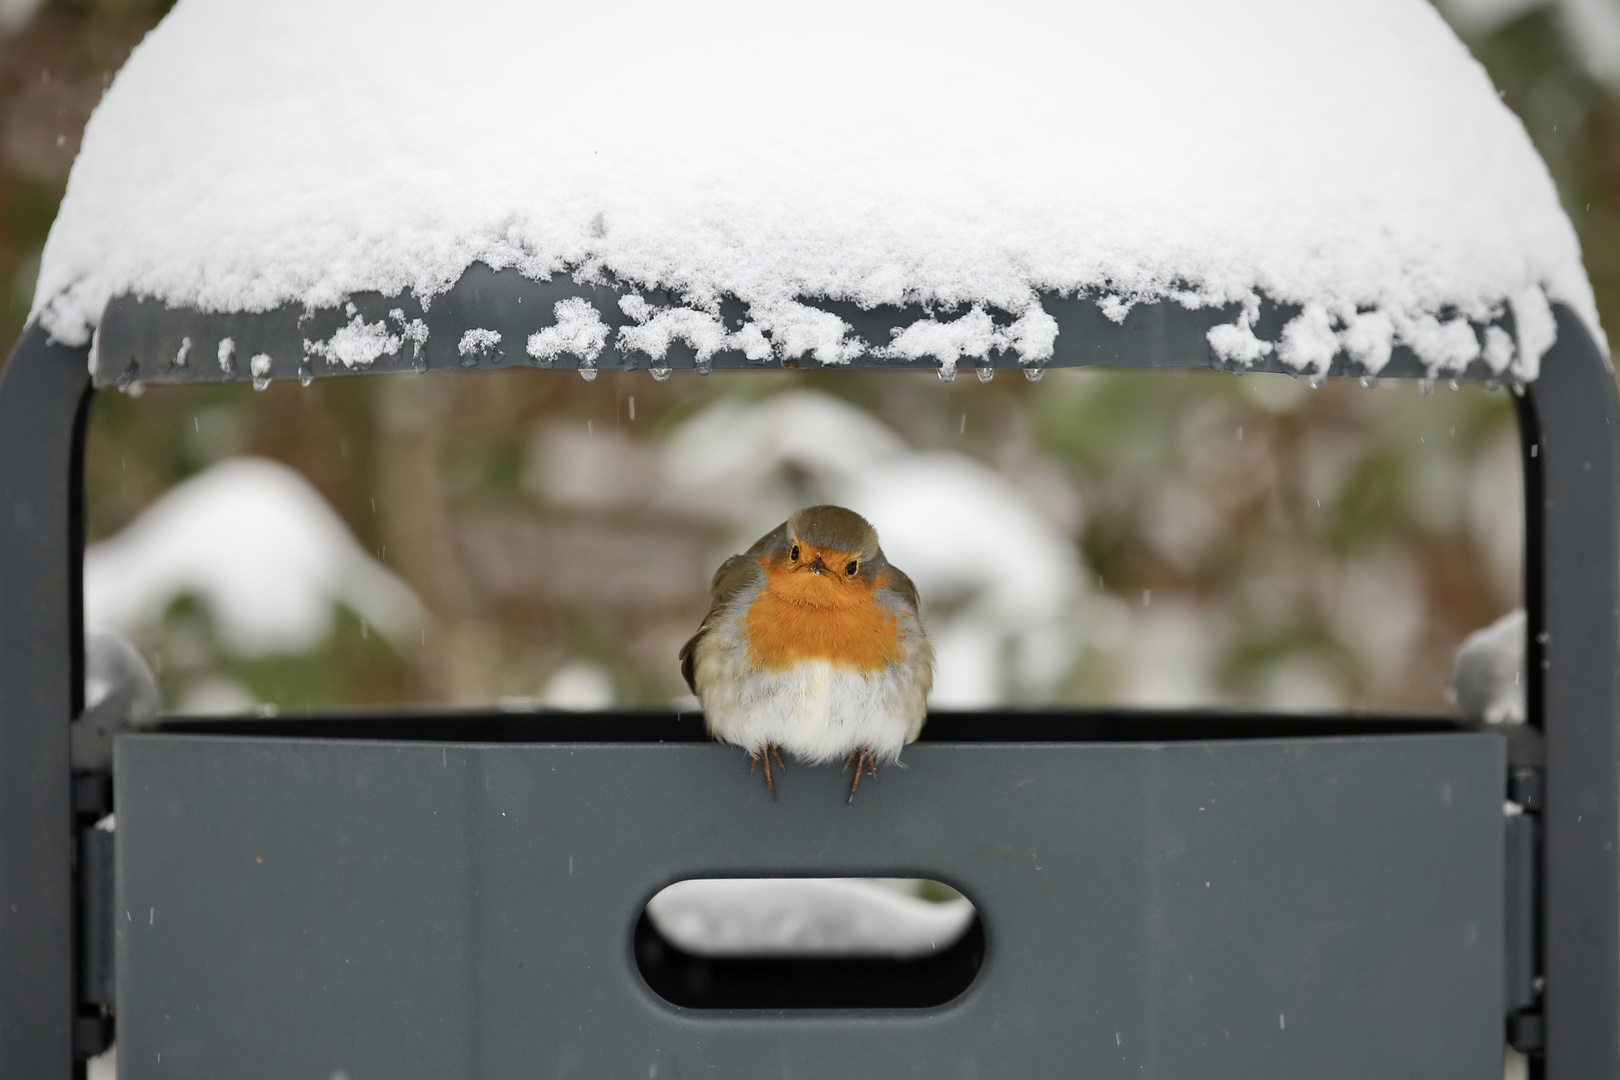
813	645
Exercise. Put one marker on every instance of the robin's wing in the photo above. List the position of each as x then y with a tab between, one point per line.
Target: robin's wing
769	544
734	575
688	652
922	655
900	583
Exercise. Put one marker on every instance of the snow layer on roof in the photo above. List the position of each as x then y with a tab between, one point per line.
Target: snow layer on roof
1346	156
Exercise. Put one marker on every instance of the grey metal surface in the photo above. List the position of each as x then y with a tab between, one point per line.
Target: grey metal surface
1306	908
96	892
41	395
1571	428
1521	942
140	340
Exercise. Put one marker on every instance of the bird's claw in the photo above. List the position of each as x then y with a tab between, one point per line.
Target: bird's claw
861	757
763	756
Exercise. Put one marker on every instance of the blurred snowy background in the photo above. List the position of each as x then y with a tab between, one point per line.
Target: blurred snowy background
528	538
531	539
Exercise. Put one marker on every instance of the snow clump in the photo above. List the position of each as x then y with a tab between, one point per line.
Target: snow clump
1487	678
579	331
480	343
263	552
356	345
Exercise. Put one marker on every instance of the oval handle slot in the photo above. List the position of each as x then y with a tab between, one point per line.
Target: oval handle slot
809	943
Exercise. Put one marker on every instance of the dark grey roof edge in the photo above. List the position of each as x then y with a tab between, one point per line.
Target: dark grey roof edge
143	340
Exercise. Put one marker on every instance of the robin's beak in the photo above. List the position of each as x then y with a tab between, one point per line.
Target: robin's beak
823	563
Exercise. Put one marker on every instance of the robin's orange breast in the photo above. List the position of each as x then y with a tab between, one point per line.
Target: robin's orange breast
802	616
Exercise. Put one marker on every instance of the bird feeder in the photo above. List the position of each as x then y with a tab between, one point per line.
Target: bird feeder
303	191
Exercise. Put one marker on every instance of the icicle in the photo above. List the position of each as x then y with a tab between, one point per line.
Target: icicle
1034	371
1455	385
1369	381
703	365
1426	384
947	372
986	370
659	370
1317	380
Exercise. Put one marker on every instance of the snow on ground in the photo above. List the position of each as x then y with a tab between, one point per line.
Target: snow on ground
998	580
579	685
804	917
1345	156
260	548
1487	680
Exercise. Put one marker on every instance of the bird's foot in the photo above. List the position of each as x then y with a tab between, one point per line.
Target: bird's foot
763	756
862	758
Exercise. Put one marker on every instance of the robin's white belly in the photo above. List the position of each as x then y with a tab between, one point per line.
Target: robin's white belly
815	710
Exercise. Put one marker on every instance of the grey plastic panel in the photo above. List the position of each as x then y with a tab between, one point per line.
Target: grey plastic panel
1312	908
140	339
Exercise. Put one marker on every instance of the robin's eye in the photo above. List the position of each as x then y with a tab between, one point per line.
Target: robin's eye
850	569
794	554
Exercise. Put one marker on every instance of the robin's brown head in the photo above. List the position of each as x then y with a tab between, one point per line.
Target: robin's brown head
832	544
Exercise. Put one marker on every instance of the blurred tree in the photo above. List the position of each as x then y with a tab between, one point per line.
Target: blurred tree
55	61
1573	118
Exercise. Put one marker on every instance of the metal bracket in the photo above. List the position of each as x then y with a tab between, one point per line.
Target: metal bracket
1522	877
93	919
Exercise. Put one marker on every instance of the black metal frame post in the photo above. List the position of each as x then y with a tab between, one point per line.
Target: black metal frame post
1571	434
43	394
